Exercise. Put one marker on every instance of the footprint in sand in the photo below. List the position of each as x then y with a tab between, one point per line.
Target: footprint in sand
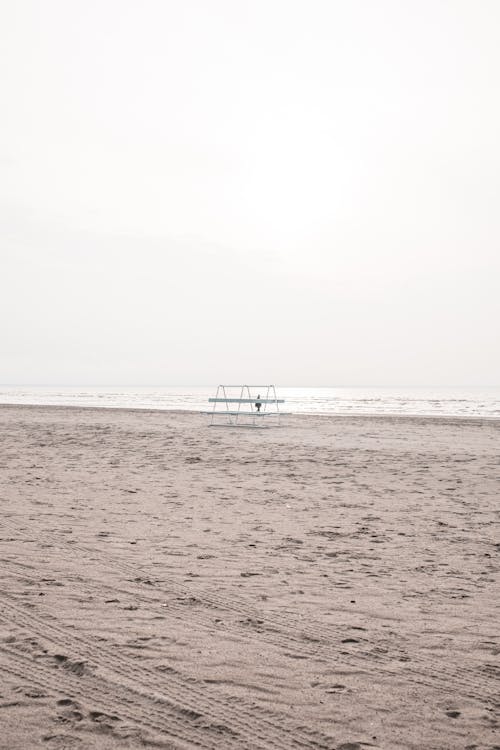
100	717
336	690
69	715
61	741
77	667
67	702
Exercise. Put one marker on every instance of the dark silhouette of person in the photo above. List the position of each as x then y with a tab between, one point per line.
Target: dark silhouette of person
257	403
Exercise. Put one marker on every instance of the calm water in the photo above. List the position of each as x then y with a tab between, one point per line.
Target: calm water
466	402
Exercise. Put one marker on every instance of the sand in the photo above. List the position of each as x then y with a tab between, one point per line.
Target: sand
331	584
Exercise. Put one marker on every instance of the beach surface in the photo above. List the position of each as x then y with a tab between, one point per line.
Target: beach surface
332	584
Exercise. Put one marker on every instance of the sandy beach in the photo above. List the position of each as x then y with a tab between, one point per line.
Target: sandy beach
332	584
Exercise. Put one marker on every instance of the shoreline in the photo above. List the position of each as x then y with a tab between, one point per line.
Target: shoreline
293	415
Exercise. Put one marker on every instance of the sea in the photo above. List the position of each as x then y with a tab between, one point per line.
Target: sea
440	401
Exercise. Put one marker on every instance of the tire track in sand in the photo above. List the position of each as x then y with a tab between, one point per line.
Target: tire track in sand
282	632
248	722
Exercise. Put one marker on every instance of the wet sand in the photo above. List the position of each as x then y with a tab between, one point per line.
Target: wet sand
331	584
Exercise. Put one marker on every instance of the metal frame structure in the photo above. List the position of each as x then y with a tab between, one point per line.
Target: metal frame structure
249	416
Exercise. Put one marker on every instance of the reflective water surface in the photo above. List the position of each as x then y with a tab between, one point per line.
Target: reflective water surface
466	402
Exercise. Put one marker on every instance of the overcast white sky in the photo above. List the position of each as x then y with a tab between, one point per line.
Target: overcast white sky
300	192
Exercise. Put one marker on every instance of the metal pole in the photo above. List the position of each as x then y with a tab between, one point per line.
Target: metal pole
215	404
252	406
230	421
239	404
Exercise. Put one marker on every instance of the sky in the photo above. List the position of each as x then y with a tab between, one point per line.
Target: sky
202	191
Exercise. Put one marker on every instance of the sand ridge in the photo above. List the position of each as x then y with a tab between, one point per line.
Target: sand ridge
329	584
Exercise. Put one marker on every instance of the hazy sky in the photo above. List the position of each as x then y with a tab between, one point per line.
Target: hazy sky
197	191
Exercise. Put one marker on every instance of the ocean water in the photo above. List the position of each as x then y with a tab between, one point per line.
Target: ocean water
455	402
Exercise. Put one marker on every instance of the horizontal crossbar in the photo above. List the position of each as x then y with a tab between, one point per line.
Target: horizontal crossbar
245	413
243	425
246	400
